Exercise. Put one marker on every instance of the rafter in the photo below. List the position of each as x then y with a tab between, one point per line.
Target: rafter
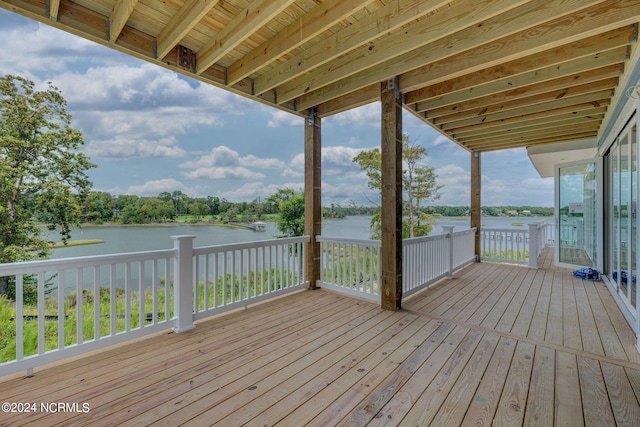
530	142
386	19
410	38
53	7
582	70
511	100
578	102
240	28
497	40
310	25
119	16
541	118
360	97
189	15
566	59
550	131
481	131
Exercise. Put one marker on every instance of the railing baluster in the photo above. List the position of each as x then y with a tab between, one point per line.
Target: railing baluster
112	300
61	309
79	305
19	317
96	302
142	315
127	298
155	283
41	313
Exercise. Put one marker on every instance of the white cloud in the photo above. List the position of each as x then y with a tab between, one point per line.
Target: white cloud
456	182
122	148
228	172
336	160
367	115
283	119
40	47
295	168
153	188
441	139
224	163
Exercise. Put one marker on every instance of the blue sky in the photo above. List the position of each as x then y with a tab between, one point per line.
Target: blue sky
150	130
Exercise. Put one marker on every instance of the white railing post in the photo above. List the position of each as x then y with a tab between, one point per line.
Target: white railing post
183	283
448	230
533	245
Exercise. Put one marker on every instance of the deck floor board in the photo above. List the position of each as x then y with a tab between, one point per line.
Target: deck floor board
496	345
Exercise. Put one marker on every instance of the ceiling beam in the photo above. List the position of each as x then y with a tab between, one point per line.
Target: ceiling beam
538	118
528	143
256	15
514	34
363	96
504	102
119	17
53	7
596	113
575	72
539	110
411	37
593	21
189	15
572	57
386	19
550	131
309	25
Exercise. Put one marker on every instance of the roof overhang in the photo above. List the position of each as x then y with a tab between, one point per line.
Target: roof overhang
490	75
545	157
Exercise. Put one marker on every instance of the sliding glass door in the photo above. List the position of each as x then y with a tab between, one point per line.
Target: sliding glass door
622	167
578	217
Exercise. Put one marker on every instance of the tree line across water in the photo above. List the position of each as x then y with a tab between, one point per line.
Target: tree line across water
102	208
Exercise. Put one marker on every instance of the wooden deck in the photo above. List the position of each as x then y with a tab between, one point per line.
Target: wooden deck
497	345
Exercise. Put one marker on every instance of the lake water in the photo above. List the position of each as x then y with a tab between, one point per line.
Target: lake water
119	239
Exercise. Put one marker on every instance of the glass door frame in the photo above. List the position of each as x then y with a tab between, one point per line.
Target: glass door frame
628	301
599	231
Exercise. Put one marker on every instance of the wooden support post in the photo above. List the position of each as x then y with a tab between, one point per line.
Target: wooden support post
476	209
391	150
312	195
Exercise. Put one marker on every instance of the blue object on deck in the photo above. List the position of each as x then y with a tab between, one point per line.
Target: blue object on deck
587	273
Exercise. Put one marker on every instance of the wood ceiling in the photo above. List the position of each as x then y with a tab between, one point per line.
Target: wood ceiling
489	74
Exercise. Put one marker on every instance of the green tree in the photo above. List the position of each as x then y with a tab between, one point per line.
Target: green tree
198	209
418	183
39	164
99	207
290	205
153	209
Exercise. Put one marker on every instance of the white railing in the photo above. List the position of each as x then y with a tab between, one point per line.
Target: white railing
463	247
231	276
67	307
353	267
504	245
350	266
428	259
516	246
